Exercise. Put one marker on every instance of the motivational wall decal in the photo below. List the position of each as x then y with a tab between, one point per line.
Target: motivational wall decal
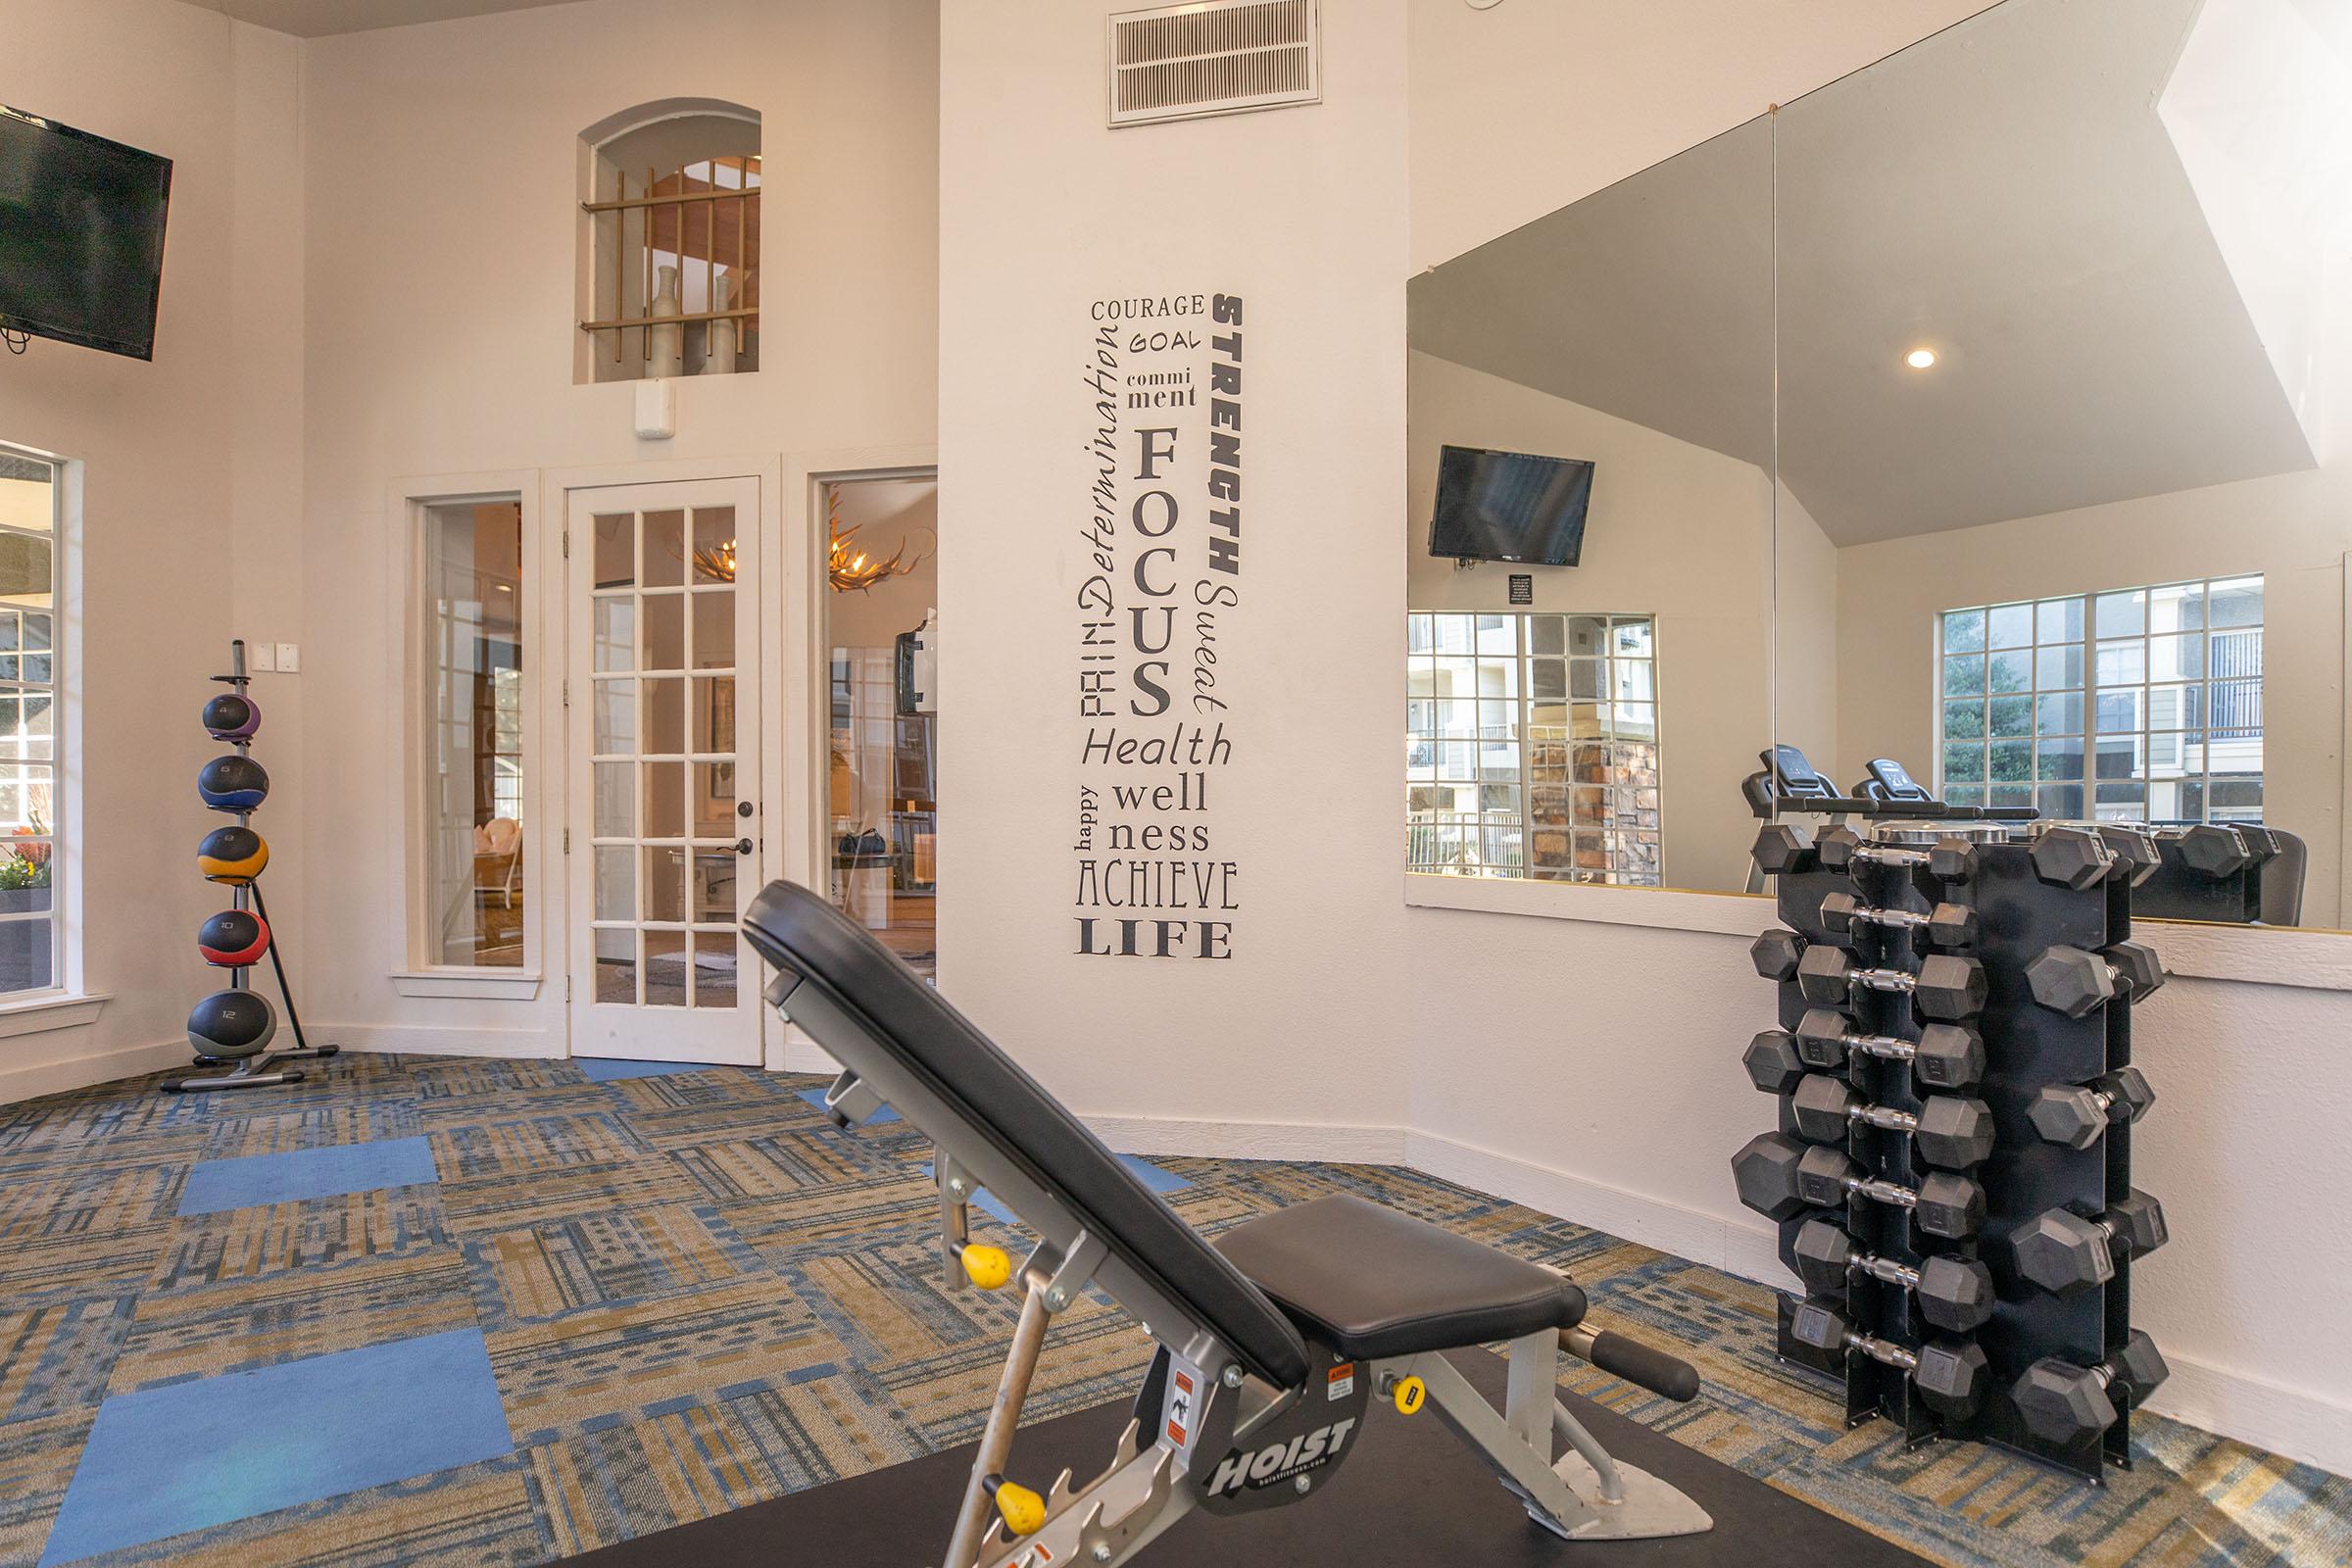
1161	583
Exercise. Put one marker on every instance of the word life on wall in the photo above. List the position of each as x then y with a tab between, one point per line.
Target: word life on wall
1159	588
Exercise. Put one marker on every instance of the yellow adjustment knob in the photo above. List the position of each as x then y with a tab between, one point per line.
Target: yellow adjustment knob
1024	1511
1406	1394
988	1267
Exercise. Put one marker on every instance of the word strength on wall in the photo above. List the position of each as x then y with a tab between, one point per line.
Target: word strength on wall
1161	529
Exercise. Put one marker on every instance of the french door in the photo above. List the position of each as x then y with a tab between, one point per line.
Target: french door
661	706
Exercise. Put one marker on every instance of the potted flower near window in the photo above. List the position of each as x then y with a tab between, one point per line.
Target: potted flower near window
24	872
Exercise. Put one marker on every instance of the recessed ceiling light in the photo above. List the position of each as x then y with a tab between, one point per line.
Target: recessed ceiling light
1920	358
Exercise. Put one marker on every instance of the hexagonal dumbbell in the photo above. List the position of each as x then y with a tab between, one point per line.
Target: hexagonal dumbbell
1947	1056
1948	925
2064	1403
1949	1374
2212	850
1945	987
1952	1293
1781	848
2078	982
1772	1062
2077	1115
2067	1254
1953	1133
1953	859
1781	1178
1776	954
2072	857
2134	844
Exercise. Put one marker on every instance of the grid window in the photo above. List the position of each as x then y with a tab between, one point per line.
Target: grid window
1532	747
30	656
471	639
2144	704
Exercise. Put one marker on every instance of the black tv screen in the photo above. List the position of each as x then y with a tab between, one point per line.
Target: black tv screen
1510	505
82	235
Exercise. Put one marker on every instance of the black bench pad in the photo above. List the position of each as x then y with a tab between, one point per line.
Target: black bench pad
1371	1282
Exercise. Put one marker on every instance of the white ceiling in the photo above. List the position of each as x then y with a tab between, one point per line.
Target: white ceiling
316	19
2005	193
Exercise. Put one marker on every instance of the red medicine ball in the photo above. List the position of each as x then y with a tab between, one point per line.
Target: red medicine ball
233	939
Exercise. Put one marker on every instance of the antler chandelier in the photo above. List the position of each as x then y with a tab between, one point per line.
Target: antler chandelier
851	569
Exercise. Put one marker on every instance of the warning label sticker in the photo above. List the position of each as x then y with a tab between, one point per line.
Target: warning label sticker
1340	1382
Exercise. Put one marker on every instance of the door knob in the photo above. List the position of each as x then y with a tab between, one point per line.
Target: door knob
743	807
743	846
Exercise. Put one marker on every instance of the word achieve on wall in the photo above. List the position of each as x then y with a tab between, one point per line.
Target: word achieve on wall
1160	581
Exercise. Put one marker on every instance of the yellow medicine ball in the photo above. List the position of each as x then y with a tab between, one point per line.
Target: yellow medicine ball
231	855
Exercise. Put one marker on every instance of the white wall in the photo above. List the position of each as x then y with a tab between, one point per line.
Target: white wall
1806	649
186	460
1303	213
1675	530
440	277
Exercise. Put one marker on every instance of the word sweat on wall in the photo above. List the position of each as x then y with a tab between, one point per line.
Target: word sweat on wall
1161	580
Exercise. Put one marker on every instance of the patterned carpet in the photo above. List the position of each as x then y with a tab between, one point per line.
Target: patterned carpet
694	1293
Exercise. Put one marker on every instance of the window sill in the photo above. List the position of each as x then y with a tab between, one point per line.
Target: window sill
490	985
2261	955
1672	908
42	1011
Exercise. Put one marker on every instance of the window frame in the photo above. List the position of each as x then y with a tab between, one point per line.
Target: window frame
1518	822
2086	642
411	962
66	984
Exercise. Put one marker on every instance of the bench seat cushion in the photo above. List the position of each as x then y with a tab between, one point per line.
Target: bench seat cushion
1371	1282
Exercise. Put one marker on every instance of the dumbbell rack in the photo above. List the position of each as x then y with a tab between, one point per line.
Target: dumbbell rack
262	1069
2020	915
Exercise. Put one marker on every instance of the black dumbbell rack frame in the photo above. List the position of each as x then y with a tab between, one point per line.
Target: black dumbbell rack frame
2028	1046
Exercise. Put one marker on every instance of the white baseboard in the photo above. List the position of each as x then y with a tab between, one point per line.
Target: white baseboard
510	1045
1631	1217
1338	1142
87	1072
2287	1421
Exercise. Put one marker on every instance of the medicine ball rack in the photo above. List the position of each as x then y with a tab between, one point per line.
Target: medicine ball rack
259	1068
1942	923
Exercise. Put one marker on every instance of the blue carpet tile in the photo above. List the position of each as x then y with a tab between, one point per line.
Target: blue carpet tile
609	1069
186	1455
215	1185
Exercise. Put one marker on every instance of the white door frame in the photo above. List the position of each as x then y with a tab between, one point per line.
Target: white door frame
554	506
795	760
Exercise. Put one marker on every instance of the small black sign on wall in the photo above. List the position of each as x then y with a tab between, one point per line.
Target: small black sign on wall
1522	588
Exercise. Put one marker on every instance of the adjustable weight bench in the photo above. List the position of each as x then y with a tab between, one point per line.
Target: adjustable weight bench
1271	1345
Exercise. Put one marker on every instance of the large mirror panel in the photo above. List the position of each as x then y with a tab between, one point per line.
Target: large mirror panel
1588	529
2063	423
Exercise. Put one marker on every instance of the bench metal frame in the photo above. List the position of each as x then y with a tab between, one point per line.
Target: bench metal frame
1148	1486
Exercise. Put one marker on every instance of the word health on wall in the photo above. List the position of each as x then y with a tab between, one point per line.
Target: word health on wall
1162	579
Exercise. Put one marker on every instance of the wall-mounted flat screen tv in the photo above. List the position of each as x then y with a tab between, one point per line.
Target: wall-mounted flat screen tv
1510	505
82	235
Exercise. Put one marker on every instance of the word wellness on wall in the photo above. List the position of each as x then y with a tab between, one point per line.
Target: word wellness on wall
1160	579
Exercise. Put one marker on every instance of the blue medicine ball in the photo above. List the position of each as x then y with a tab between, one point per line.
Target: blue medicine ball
232	783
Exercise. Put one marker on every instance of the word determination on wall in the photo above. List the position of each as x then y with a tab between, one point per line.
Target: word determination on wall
1161	583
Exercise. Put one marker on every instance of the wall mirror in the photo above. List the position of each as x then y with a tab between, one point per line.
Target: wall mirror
2065	427
1595	388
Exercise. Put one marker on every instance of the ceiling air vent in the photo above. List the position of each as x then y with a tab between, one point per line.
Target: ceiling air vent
1217	57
